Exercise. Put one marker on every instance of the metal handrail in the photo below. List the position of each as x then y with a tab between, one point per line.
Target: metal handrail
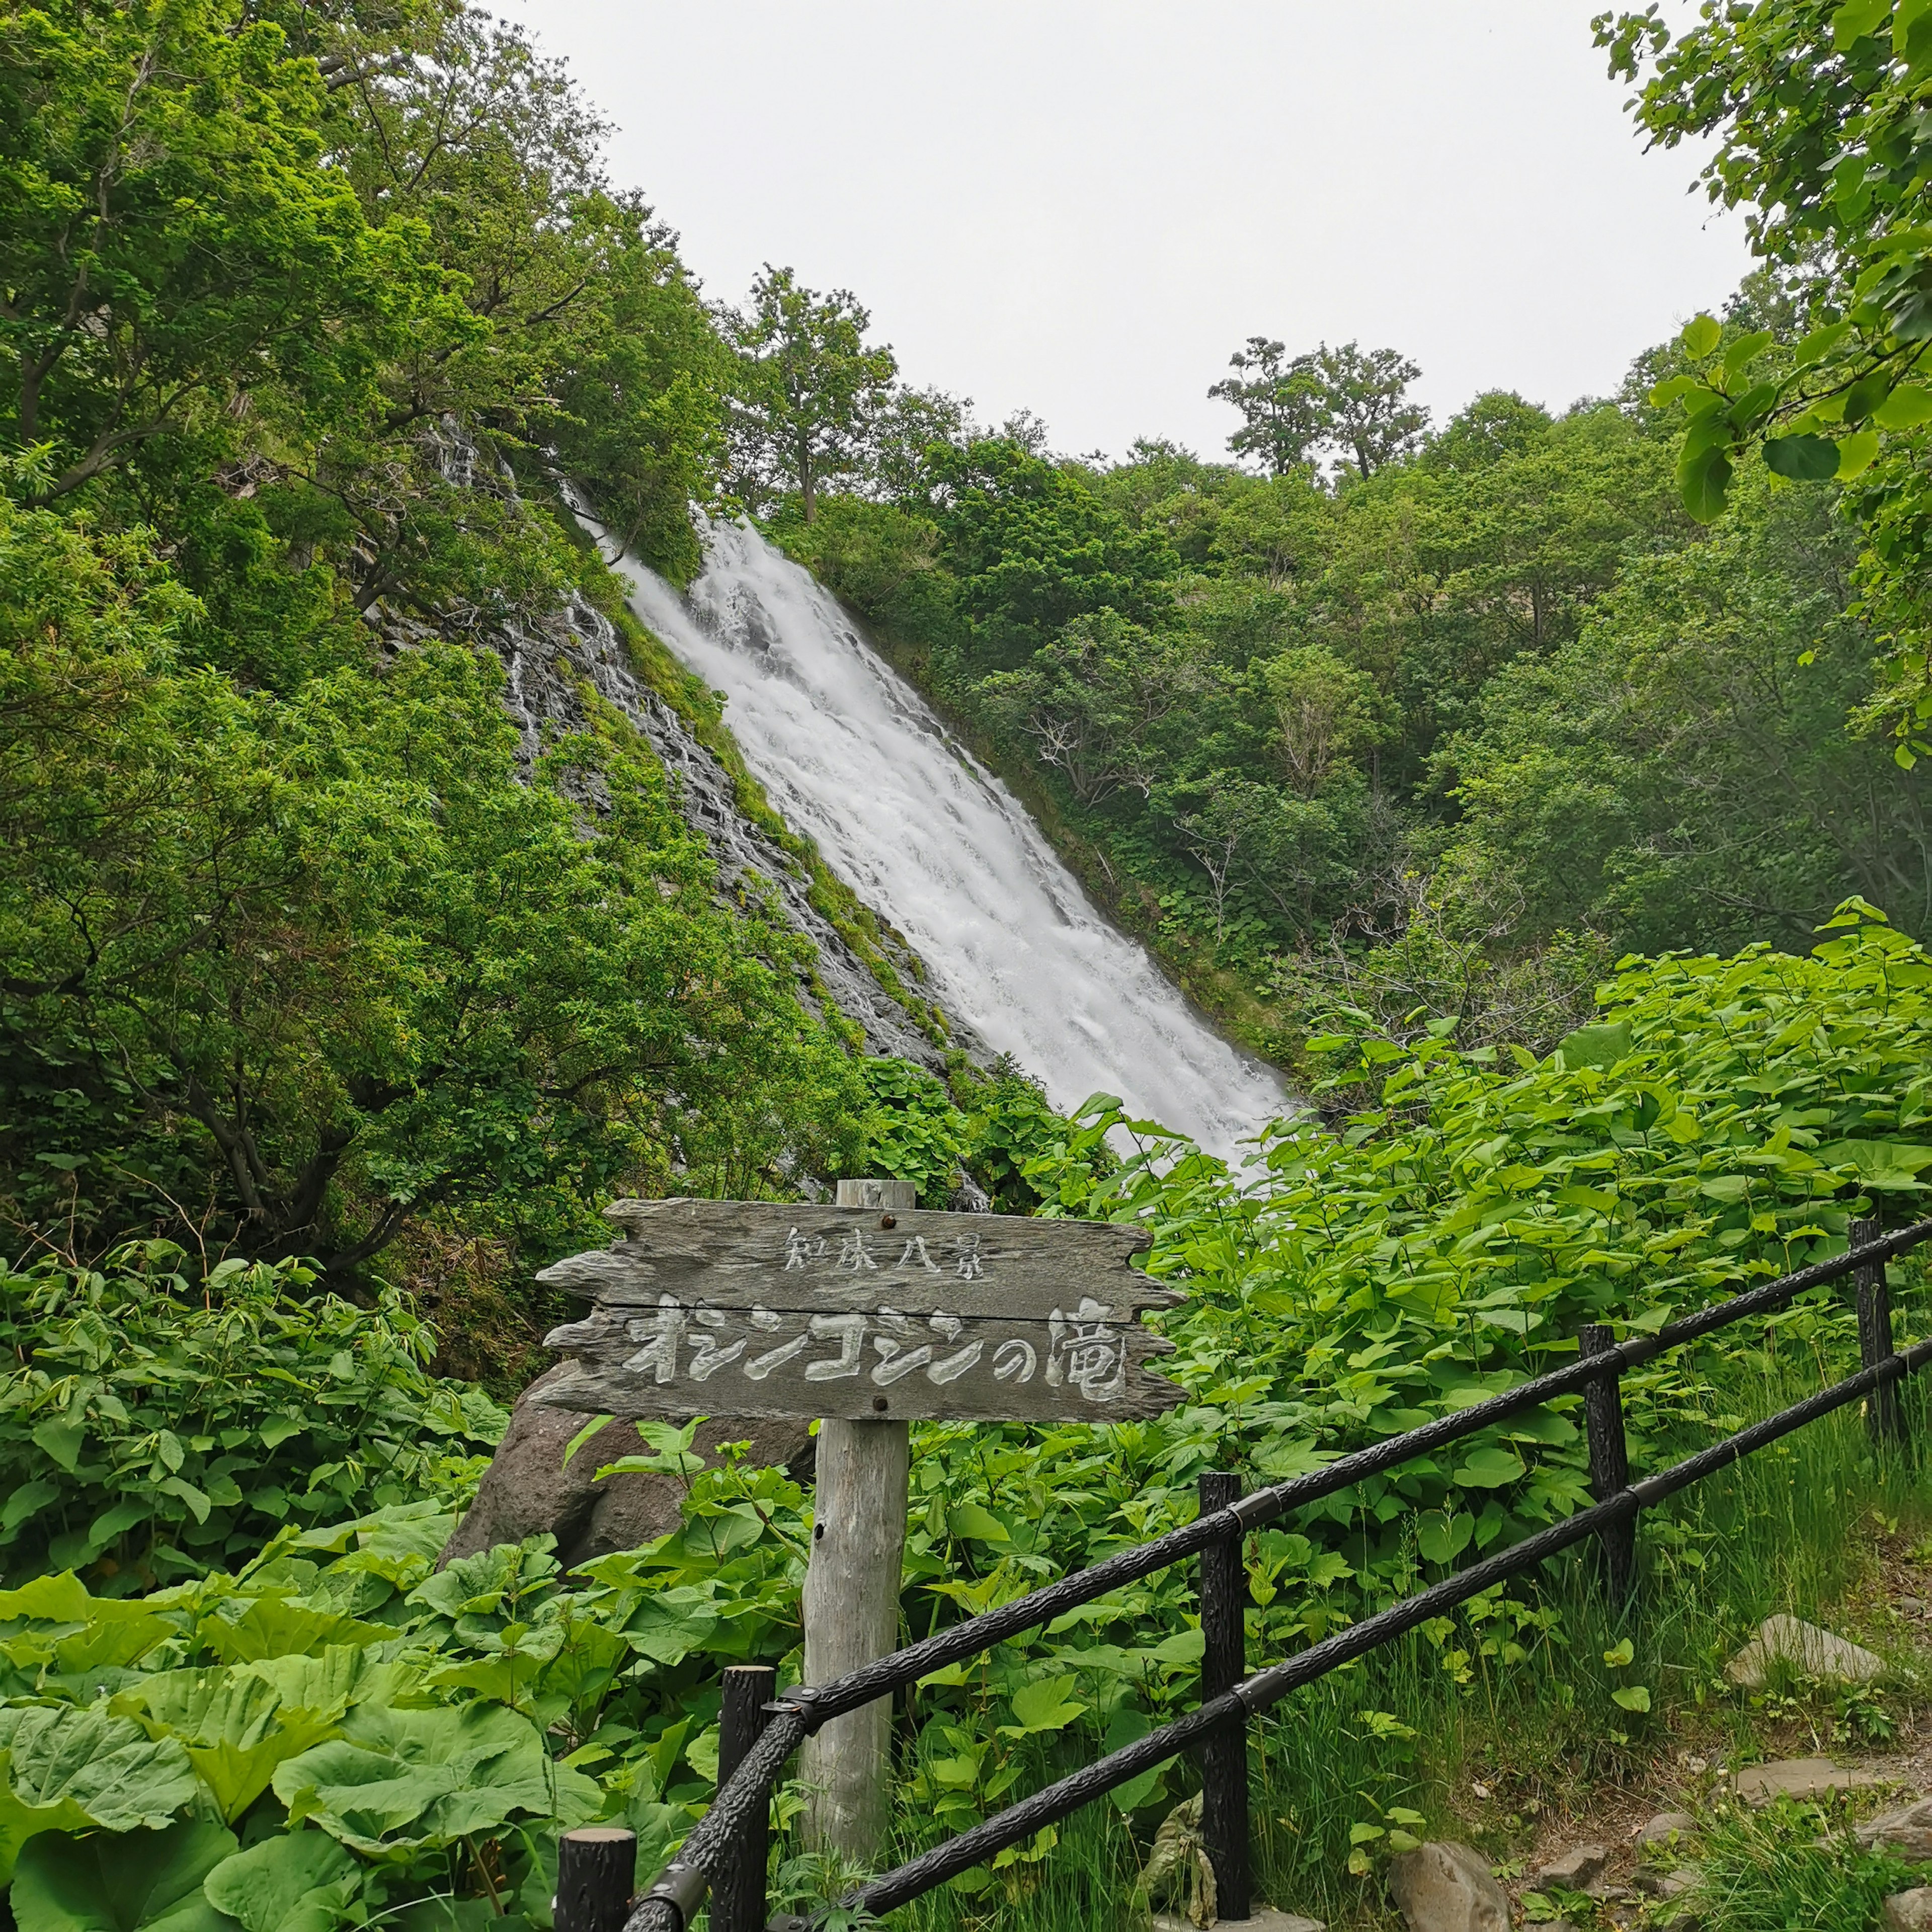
673	1898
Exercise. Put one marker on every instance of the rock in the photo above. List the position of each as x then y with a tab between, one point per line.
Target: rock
1666	1826
1447	1888
1910	1911
1573	1870
1263	1919
1816	1652
1798	1777
1910	1607
1907	1831
1549	1925
527	1488
1666	1884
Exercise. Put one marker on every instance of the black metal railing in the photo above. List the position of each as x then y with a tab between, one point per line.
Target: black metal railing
726	1854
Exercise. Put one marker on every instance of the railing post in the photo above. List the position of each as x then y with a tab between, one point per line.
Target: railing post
1224	1754
1884	1417
596	1867
738	1893
1609	1463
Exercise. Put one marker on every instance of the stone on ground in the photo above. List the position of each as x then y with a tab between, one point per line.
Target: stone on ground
1666	1825
1816	1652
1758	1784
1263	1919
528	1489
1907	1831
1666	1884
1549	1925
1447	1888
1573	1870
1909	1911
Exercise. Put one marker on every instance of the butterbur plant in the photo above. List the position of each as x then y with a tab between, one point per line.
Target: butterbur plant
152	1428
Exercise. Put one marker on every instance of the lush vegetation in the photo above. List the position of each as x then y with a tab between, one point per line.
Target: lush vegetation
1497	774
1719	1122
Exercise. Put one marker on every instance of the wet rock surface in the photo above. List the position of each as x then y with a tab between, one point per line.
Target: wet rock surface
546	666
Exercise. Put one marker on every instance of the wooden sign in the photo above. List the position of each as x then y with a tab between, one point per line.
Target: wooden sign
749	1308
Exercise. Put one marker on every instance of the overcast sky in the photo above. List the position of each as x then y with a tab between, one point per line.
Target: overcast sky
1082	207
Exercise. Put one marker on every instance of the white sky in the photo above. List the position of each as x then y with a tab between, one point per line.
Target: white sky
1083	207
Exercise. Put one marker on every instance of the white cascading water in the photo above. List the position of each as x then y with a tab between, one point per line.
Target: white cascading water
852	756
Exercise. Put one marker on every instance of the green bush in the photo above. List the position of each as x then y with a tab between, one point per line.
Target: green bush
156	1427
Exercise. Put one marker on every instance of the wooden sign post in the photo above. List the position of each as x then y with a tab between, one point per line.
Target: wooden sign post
868	1315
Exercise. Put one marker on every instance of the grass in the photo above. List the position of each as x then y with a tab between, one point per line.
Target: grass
1481	1727
1792	1865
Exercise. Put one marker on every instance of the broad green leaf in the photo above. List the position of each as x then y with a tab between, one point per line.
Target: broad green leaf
1703	482
1856	453
22	1503
969	1519
1701	334
65	1769
329	1684
404	1780
1442	1537
1856	18
1805	459
1906	407
62	1439
1632	1697
131	1881
294	1882
110	1643
1489	1468
1044	1705
1603	1045
274	1627
234	1727
1623	1654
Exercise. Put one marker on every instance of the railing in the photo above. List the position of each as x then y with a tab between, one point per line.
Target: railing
726	1852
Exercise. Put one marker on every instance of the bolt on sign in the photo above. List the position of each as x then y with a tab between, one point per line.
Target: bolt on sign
750	1308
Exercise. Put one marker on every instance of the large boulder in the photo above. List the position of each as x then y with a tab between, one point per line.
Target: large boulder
528	1489
1448	1888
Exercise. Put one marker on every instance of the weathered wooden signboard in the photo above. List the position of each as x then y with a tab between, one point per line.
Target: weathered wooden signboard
749	1309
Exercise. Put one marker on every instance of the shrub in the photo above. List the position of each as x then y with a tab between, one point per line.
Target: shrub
154	1427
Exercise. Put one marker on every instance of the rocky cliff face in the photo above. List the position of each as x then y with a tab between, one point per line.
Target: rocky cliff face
547	667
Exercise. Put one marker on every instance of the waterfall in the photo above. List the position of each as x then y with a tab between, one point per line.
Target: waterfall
854	758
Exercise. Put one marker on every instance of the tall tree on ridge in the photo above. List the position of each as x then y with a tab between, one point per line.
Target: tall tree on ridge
810	387
1285	412
1369	419
1352	402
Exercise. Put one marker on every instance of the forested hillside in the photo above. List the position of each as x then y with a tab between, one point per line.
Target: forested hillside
298	953
1437	719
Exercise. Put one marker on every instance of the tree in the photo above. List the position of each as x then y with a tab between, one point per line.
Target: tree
1328	712
292	970
1369	419
1342	400
1284	405
1814	114
1032	545
1678	774
809	390
1093	699
173	248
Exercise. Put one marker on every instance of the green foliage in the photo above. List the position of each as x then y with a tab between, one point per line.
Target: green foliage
316	962
161	1428
1792	1864
807	390
986	1126
1683	766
